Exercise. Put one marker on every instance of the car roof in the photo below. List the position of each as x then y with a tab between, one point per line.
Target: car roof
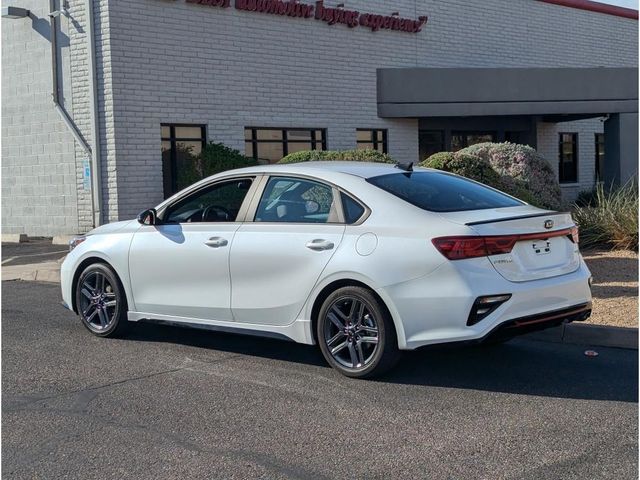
359	169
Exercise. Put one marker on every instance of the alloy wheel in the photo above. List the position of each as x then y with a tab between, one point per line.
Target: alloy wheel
351	332
98	302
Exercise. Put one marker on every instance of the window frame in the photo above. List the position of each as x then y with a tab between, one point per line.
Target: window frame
374	138
575	142
442	144
599	151
198	188
467	133
172	139
254	141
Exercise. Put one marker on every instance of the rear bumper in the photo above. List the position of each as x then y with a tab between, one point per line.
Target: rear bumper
434	309
541	321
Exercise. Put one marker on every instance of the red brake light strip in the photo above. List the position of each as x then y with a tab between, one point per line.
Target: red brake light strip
460	247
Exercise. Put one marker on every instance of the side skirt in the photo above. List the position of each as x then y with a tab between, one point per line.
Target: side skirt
299	331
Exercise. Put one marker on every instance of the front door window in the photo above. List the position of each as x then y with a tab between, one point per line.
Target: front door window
217	203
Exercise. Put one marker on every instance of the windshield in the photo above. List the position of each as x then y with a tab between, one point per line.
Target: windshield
441	192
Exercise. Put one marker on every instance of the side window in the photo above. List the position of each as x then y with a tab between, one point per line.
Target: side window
218	203
296	200
352	209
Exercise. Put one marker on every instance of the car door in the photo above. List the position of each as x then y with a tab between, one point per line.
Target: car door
180	267
278	257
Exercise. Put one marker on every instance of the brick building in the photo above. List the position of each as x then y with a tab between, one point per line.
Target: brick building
136	81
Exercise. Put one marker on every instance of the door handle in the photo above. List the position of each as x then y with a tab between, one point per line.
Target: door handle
319	245
216	242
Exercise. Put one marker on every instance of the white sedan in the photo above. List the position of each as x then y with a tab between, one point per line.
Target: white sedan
363	259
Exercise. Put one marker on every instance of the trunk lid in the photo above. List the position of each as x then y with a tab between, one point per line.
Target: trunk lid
544	247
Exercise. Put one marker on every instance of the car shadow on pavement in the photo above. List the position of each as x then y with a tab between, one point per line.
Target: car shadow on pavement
227	342
526	367
521	366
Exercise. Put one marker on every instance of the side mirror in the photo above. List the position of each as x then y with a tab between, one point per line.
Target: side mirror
148	217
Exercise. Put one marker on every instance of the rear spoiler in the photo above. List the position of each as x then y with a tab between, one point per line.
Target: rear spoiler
507	219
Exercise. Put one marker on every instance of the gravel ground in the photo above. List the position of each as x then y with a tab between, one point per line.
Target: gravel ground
615	287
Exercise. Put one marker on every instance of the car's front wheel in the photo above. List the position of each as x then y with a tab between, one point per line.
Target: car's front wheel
356	333
100	301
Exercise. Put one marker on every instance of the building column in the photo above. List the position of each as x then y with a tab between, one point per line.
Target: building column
620	148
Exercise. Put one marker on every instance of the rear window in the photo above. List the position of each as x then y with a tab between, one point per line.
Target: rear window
440	192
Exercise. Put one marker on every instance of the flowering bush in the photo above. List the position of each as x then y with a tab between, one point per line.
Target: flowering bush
524	172
337	155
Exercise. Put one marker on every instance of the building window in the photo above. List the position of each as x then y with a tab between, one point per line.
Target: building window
269	145
568	166
460	140
181	145
430	142
371	140
518	137
599	156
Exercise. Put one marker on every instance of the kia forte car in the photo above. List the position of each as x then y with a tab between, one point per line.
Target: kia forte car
364	260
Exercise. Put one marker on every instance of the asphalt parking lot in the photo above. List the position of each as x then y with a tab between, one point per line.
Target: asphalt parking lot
174	403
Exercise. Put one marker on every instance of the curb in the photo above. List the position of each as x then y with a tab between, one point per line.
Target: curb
42	272
13	238
62	239
587	334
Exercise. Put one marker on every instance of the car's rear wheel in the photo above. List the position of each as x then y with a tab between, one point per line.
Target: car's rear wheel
356	334
101	302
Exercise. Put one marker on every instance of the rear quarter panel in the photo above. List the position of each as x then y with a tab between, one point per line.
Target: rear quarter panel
392	246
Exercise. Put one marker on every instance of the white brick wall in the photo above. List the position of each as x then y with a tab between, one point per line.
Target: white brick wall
548	146
38	171
166	61
195	64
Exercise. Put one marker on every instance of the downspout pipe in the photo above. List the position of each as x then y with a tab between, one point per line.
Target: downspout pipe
66	118
96	176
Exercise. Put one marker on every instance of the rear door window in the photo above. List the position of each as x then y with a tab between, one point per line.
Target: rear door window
441	192
296	200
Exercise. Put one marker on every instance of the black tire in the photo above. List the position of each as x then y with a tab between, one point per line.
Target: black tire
363	317
97	287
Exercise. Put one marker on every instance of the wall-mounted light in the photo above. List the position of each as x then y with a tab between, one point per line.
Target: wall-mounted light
14	12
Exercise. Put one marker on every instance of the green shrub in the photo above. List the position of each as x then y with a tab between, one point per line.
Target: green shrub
214	158
587	198
468	166
337	155
524	172
611	220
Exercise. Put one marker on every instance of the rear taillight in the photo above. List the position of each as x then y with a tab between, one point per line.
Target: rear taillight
468	246
457	248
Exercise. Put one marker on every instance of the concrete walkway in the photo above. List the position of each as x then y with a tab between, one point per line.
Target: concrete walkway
39	272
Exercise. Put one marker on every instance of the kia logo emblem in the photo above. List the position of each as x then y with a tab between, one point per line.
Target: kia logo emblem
548	224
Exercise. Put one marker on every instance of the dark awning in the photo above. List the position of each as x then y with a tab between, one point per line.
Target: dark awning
453	92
